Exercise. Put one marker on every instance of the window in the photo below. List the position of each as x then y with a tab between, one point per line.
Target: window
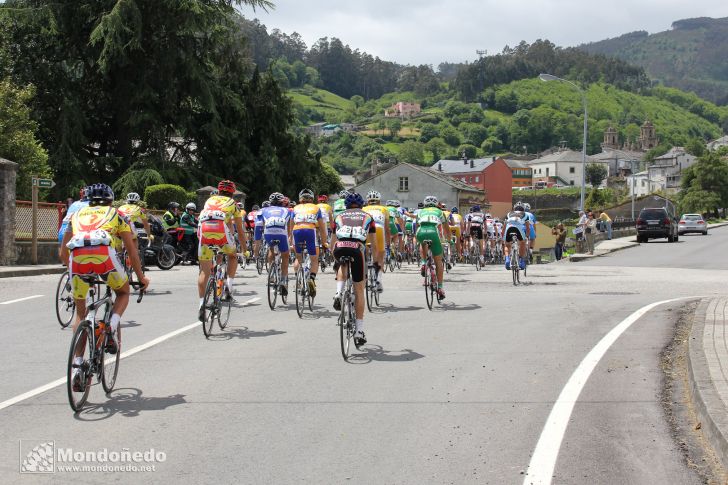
571	182
477	179
572	170
404	184
547	171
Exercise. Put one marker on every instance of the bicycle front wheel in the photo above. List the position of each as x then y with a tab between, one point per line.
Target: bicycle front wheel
210	306
223	314
110	362
65	306
80	344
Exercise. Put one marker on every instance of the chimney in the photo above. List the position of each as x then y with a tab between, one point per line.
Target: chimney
494	158
439	166
471	164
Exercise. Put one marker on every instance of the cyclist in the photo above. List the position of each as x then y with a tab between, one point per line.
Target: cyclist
97	232
381	221
72	209
277	227
498	226
135	214
340	203
170	219
395	225
429	220
308	220
258	232
530	217
516	225
328	215
354	228
476	229
188	223
215	229
456	227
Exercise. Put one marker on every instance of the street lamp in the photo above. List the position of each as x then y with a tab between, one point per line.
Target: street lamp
550	77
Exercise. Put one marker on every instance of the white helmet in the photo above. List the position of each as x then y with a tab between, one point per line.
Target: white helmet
191	206
430	200
133	197
527	206
374	196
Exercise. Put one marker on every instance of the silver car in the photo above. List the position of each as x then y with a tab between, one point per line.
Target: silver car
692	223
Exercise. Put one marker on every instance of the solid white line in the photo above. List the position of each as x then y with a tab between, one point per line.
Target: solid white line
543	460
135	350
20	299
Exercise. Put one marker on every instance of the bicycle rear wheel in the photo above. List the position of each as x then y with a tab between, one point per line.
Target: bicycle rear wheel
428	287
300	292
210	306
346	331
65	306
81	341
272	286
370	289
110	362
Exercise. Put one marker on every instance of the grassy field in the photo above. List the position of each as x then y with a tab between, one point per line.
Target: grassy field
323	101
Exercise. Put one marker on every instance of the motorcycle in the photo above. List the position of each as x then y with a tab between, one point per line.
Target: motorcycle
185	248
160	252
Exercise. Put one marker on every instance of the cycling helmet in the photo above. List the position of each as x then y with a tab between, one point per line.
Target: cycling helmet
305	194
343	194
133	198
214	192
172	206
354	199
226	186
292	203
518	207
276	198
240	205
323	198
527	206
420	205
487	214
397	203
430	201
389	203
374	196
266	203
191	206
497	219
454	210
256	207
100	194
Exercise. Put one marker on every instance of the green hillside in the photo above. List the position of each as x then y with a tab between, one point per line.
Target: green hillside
527	113
691	56
320	104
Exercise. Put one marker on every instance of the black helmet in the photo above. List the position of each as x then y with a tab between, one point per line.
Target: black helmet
173	206
100	194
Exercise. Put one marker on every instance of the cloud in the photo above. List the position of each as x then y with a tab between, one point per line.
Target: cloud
432	31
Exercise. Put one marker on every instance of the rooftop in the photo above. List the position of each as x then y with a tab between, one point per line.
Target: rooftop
562	156
455	183
458	166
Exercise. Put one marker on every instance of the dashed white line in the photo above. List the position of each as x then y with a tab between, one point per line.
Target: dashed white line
20	299
135	350
543	461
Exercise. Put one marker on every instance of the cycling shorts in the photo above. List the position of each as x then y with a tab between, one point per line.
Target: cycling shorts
399	227
408	228
380	238
305	238
214	233
532	233
517	230
476	232
456	231
354	250
393	228
280	240
96	260
430	233
258	233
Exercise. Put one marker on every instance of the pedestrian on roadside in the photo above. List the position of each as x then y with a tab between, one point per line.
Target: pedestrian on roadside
560	232
606	223
590	231
579	231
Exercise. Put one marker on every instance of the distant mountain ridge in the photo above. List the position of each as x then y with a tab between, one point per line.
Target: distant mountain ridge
691	56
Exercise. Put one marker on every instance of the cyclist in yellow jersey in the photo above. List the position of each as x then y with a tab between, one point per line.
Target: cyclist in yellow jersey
327	212
89	248
380	214
134	213
456	228
307	221
215	229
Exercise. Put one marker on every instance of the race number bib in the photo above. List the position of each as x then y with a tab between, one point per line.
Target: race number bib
212	215
97	237
349	232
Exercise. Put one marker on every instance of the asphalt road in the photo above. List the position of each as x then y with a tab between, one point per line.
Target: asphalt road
460	394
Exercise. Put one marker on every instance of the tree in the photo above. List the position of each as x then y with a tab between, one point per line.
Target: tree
696	147
437	147
470	151
327	181
395	126
428	132
595	174
18	142
705	185
412	152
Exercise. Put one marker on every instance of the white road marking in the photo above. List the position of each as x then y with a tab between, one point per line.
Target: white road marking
135	350
20	299
541	468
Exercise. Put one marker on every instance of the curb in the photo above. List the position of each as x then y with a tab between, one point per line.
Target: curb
31	272
576	259
709	407
717	225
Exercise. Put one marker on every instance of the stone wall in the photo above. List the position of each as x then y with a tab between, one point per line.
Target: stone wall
8	171
47	253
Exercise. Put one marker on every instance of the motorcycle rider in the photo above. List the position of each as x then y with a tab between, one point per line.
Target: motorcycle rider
188	222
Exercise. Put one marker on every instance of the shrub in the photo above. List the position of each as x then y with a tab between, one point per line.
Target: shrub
158	196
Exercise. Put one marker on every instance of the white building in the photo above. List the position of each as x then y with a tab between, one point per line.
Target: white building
669	167
564	167
720	142
643	184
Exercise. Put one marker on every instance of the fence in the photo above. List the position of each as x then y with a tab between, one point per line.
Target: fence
49	220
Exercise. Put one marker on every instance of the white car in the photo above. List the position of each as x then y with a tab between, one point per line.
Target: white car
692	223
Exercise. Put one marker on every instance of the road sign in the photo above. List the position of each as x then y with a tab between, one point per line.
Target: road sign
44	183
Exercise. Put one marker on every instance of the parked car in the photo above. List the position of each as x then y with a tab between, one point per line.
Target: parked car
655	223
692	223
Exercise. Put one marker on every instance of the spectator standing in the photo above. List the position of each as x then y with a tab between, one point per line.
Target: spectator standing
590	231
560	232
606	223
579	232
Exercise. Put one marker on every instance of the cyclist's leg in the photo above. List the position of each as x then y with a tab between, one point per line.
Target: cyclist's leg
204	256
285	250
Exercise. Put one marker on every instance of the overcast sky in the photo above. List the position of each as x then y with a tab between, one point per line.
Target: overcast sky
432	31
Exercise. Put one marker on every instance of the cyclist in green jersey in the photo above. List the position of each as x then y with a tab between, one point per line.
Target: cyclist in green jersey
339	204
429	220
395	223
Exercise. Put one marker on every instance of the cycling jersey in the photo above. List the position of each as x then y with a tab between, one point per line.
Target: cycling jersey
353	226
429	220
188	223
339	206
306	216
213	229
134	215
276	220
515	225
455	221
379	214
75	207
529	217
327	213
393	217
250	220
96	237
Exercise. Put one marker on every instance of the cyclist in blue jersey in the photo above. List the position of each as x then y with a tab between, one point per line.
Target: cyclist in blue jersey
278	226
518	226
72	209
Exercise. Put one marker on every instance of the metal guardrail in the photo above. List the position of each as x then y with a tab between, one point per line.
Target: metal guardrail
49	220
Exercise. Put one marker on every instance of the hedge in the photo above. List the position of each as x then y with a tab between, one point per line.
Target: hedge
159	196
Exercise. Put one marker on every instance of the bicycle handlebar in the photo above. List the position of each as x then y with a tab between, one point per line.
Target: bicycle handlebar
139	287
